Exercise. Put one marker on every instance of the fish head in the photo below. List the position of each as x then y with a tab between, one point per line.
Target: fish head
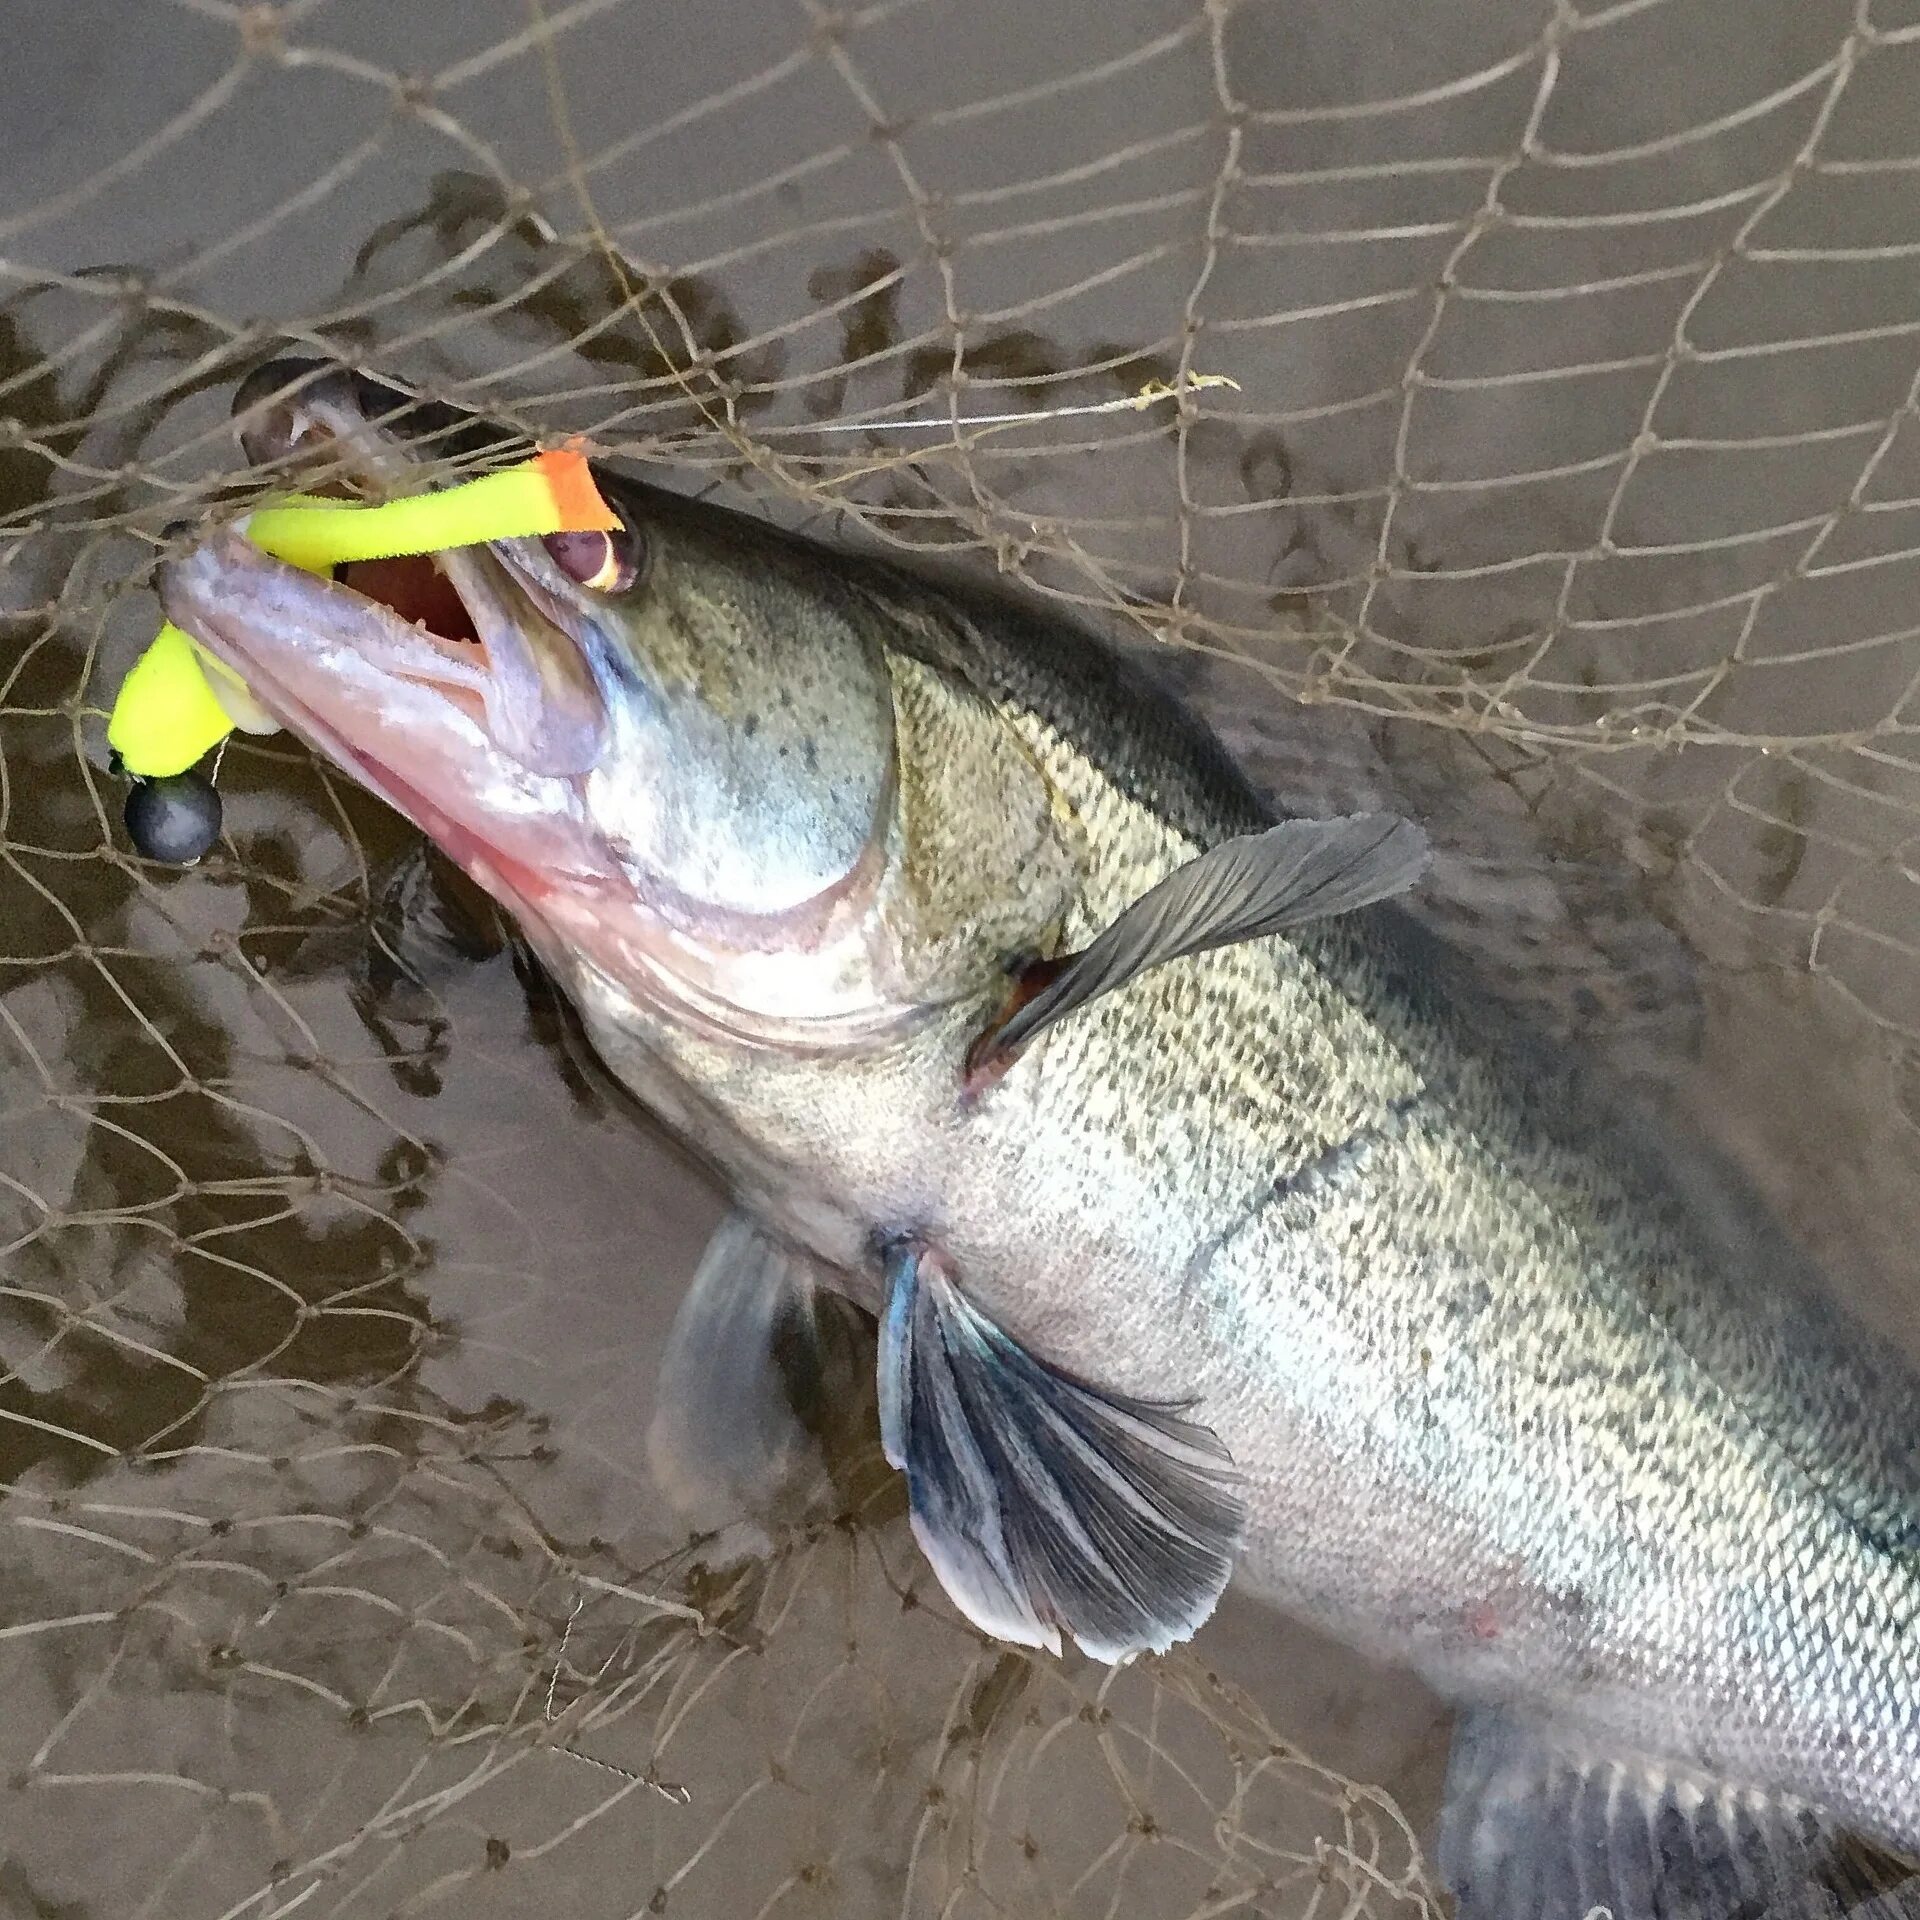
670	750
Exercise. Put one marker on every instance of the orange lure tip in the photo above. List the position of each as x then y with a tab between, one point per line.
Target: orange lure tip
578	506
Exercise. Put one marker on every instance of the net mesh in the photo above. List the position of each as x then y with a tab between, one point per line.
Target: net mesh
1528	392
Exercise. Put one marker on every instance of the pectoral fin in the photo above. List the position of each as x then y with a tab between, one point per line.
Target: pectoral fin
1044	1504
1536	1828
725	1442
1243	889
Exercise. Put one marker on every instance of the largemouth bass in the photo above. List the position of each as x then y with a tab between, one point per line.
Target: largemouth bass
1215	1222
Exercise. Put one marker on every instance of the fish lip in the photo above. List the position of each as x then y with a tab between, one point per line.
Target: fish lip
178	600
228	593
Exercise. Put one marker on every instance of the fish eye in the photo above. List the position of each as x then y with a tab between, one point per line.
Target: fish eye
604	562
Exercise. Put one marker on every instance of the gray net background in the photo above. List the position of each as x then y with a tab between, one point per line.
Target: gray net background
1499	409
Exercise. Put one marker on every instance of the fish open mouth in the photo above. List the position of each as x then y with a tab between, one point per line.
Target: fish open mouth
455	684
416	588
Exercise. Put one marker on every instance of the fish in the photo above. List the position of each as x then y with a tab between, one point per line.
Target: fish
1217	1224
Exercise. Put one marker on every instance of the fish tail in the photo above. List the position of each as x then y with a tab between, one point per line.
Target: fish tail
1537	1827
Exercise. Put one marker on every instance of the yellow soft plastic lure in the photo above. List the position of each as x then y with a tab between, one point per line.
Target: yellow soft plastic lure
166	715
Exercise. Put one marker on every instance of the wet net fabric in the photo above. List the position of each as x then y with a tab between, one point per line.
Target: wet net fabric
1528	390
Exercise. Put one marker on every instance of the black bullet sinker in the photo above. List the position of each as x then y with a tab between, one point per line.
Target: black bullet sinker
176	819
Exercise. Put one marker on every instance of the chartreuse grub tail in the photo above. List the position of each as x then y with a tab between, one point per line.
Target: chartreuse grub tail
552	493
166	716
